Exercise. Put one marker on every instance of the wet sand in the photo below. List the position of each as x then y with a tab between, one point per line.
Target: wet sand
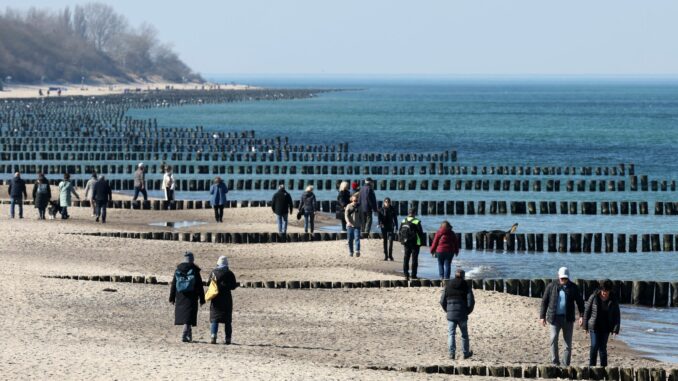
73	329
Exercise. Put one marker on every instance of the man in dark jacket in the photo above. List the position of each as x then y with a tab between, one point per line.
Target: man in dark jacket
388	222
140	182
101	194
557	309
17	194
368	204
185	292
411	248
457	300
282	205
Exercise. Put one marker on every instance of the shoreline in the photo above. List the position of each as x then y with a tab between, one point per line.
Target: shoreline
73	89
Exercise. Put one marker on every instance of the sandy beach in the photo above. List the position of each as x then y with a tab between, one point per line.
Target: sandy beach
76	89
73	329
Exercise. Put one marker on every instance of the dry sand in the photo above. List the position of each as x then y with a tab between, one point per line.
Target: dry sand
71	89
74	330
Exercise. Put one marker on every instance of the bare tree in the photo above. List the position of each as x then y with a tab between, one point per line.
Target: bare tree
103	24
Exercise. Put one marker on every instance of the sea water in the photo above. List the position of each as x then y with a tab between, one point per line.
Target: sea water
492	122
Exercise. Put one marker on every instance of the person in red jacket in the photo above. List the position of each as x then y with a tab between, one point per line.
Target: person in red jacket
445	247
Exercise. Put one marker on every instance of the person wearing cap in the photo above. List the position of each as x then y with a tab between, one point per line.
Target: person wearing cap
221	307
282	204
458	301
140	183
186	301
558	309
601	319
355	188
411	247
368	204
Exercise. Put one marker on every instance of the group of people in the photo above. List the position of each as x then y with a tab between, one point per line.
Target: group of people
97	190
599	316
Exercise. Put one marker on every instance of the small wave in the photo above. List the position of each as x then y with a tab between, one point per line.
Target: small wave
482	271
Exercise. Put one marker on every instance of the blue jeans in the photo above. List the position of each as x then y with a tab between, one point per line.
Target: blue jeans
16	201
309	218
214	329
598	345
138	190
353	234
451	330
444	264
559	322
282	223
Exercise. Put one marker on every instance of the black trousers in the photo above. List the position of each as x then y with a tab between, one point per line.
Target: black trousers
367	222
412	252
219	213
101	209
387	236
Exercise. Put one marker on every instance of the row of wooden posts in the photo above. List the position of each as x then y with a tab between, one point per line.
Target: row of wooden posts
636	292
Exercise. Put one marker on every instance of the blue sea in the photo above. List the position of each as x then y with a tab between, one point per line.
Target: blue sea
492	122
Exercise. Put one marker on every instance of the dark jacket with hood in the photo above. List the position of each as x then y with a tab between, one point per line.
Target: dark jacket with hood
388	217
368	200
307	204
17	188
221	307
445	241
282	203
549	302
457	299
186	303
102	191
592	316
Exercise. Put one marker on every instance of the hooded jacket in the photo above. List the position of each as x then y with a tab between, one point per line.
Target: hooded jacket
282	203
457	300
591	313
445	241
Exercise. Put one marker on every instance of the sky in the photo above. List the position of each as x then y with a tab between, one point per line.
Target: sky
430	37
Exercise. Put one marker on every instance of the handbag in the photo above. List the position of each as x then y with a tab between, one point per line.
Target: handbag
212	290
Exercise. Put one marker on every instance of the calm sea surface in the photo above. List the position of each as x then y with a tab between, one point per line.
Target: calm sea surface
495	122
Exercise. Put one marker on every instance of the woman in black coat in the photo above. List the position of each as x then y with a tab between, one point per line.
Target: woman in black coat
601	318
343	199
221	307
185	293
42	193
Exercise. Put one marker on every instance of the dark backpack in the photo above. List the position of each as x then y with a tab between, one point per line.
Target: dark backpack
407	233
185	282
43	188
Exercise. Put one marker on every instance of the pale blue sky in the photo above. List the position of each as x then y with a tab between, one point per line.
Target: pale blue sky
445	37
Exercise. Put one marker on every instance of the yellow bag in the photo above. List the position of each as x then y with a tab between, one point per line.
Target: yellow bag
212	290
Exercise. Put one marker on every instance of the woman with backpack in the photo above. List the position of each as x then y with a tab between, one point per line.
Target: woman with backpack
66	188
185	292
445	247
42	193
307	207
221	307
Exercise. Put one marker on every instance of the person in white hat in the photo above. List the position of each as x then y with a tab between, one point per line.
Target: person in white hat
557	309
221	307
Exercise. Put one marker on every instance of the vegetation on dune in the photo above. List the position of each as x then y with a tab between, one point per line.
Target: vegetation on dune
92	41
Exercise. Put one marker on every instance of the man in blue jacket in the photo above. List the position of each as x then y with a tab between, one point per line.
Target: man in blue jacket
17	194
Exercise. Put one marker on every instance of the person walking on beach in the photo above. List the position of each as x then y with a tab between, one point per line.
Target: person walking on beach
17	194
185	292
388	222
558	309
343	199
221	307
354	221
102	194
168	184
445	247
368	204
307	207
411	234
458	301
218	193
89	192
42	194
140	183
282	205
66	188
601	319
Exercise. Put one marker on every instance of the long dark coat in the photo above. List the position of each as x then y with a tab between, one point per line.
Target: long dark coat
221	307
41	200
186	304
